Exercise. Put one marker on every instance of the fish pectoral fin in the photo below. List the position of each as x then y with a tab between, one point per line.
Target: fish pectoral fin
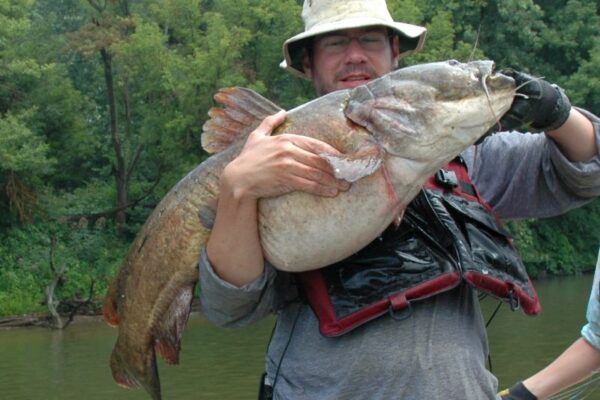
352	167
168	333
110	311
244	111
207	216
398	218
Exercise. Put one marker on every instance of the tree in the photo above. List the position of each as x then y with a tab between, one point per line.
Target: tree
112	24
24	156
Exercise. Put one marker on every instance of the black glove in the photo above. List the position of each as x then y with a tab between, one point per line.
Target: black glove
518	391
538	106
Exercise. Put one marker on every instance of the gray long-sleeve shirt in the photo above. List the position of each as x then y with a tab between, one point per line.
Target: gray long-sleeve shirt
439	352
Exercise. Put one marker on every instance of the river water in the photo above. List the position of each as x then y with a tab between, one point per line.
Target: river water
220	364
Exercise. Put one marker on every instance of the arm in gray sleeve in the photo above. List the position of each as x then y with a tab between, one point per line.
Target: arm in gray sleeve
525	175
591	330
230	306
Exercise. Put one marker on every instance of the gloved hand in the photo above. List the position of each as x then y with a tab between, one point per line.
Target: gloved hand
518	391
538	106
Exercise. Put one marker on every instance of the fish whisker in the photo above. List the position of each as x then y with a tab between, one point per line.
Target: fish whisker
489	98
534	79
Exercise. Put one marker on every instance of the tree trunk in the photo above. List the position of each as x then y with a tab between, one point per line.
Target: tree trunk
120	170
58	276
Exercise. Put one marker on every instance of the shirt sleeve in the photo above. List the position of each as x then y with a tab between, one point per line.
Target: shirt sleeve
525	175
230	306
591	330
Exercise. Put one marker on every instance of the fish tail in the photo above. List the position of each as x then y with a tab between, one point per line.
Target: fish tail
137	372
244	111
168	333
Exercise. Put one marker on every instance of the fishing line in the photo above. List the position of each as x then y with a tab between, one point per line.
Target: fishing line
489	357
589	385
286	345
476	43
493	314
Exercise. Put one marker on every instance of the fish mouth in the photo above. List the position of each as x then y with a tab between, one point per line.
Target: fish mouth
492	78
498	80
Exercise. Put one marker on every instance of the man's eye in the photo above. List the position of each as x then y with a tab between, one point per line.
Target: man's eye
334	41
372	38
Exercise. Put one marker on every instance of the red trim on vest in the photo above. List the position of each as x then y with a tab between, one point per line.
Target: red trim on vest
330	325
490	284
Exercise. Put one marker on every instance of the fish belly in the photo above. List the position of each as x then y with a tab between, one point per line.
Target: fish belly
302	232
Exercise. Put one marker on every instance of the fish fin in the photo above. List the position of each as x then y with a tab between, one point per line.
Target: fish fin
109	306
207	216
398	217
398	109
244	111
167	335
131	375
352	167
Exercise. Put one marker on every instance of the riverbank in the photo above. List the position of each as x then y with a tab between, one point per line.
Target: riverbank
91	311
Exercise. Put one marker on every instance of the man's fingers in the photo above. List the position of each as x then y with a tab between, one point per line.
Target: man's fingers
268	125
313	145
324	178
317	187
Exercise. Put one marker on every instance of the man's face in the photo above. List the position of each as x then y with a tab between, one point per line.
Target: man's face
349	58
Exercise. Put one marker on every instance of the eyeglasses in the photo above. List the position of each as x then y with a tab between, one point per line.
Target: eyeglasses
369	41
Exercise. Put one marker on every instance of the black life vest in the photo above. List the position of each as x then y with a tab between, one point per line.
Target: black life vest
448	235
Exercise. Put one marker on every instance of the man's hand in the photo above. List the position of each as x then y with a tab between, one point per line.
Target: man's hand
517	391
270	166
538	105
267	166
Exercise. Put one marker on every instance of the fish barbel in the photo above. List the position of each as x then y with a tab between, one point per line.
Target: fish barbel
393	133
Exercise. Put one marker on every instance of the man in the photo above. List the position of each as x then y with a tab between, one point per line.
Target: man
438	350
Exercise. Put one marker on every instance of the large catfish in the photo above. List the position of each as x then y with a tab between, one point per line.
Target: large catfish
394	133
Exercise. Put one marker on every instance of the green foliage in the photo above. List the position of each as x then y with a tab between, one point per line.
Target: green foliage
561	245
21	150
167	58
87	253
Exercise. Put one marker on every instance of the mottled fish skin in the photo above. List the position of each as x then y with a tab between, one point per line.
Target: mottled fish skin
401	127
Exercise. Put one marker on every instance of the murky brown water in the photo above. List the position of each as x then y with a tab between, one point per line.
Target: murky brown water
219	364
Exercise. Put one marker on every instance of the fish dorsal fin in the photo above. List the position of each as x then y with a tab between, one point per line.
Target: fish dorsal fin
244	110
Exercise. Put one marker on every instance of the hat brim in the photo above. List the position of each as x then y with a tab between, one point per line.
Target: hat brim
412	38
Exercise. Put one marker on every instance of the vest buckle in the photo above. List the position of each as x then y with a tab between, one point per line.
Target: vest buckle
447	179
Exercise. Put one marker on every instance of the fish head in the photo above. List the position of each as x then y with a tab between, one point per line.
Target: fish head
432	110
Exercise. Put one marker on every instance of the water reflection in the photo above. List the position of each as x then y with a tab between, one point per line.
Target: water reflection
219	364
73	364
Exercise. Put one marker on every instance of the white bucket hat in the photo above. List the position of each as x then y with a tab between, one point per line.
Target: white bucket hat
322	16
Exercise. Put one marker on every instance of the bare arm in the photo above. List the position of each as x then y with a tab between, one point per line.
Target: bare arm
267	166
576	137
578	362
